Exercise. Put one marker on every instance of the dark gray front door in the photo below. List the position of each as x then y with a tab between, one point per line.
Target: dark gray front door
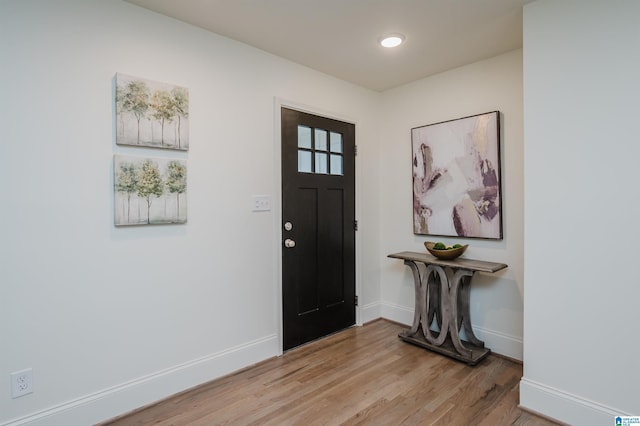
318	220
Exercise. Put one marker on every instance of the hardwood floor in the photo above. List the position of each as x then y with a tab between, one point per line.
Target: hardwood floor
361	376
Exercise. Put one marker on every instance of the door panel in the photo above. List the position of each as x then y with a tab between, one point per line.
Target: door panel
334	230
318	199
307	250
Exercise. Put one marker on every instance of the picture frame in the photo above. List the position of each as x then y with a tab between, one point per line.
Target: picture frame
149	191
457	178
151	114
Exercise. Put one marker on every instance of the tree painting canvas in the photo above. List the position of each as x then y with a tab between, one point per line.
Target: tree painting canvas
149	191
456	178
151	114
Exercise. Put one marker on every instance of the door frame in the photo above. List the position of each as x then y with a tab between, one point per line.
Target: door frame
276	206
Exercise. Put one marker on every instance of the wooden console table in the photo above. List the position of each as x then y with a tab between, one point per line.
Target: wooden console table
447	302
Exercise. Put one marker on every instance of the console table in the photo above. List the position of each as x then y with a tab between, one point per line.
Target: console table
442	290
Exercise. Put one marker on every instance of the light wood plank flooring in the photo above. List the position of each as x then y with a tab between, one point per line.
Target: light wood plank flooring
361	376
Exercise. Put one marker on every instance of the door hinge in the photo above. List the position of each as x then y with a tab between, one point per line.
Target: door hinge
356	300
355	150
355	225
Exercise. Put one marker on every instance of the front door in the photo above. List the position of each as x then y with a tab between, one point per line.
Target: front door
318	226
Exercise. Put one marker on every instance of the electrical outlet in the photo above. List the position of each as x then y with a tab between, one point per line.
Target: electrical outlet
21	383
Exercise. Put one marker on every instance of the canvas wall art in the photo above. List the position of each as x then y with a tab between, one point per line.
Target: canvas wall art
456	178
151	114
149	191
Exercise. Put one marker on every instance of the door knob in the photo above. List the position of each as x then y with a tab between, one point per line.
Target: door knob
289	243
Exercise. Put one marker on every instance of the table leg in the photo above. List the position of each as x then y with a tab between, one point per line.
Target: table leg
420	299
455	326
433	304
430	274
463	309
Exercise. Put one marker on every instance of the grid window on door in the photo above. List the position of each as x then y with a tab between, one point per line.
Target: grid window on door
320	151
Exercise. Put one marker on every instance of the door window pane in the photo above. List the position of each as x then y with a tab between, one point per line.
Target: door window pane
321	139
304	137
336	164
336	142
321	163
304	161
320	151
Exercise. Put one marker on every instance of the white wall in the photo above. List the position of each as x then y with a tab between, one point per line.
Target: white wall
496	299
111	318
581	86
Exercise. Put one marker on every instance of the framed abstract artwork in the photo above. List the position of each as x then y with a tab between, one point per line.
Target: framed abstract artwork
151	114
456	178
149	191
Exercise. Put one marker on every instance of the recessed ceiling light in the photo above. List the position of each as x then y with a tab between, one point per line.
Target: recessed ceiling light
391	40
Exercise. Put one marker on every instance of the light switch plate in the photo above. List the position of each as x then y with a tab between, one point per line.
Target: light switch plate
261	203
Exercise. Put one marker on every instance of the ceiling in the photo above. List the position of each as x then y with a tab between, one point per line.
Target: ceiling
340	37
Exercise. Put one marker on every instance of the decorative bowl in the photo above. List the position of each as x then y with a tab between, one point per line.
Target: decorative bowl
445	254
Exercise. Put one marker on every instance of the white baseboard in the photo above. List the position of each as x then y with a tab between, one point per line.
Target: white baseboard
389	311
500	343
369	312
563	406
109	403
397	313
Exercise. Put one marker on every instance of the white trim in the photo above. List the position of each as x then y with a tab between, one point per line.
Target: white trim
278	104
108	403
370	312
563	406
500	343
397	313
277	217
